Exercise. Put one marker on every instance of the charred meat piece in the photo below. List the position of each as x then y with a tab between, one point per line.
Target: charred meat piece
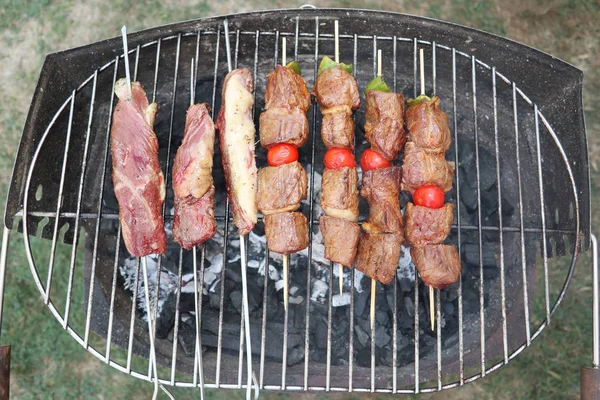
428	126
194	221
438	265
281	188
286	89
341	239
335	87
236	140
286	232
425	168
138	180
283	125
381	187
378	255
428	225
337	128
339	196
384	125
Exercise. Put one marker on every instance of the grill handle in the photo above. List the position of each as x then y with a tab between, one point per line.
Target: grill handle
590	375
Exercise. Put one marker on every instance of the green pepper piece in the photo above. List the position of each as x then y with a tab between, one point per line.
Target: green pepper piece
421	99
294	66
377	84
327	63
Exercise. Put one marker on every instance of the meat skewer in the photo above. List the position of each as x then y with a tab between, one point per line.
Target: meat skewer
139	183
379	246
337	93
427	175
236	141
284	183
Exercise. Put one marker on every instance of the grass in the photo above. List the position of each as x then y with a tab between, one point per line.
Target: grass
47	363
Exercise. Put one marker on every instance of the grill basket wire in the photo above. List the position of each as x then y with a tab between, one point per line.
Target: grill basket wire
492	121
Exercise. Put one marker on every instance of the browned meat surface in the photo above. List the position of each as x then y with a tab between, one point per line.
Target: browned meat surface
138	180
236	140
283	125
428	225
337	129
286	232
286	89
281	188
339	196
194	221
428	126
335	87
341	239
425	168
438	264
384	125
381	188
378	255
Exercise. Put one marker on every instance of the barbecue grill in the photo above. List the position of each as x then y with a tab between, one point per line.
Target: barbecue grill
522	191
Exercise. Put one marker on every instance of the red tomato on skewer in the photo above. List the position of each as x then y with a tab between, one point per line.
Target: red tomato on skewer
336	158
372	159
429	196
282	153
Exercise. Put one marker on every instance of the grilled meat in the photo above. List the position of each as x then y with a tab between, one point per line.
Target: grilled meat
138	180
428	126
335	87
341	239
428	225
381	187
236	140
378	255
337	129
384	125
425	168
281	188
438	265
283	125
339	196
286	232
194	221
286	89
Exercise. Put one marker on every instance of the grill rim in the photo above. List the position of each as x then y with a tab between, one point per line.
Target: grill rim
424	390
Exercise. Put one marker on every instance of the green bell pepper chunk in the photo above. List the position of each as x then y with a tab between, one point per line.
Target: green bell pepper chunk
377	84
421	99
294	66
327	63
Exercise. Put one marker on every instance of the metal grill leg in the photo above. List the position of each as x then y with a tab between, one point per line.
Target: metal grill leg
4	350
590	375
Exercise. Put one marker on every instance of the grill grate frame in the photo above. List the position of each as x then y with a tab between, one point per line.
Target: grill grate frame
78	216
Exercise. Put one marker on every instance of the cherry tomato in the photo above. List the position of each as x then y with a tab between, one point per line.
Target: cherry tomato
336	158
372	159
282	153
429	196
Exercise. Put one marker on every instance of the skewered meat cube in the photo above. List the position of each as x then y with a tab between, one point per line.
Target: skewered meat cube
281	188
425	168
341	239
236	140
286	232
194	221
384	125
335	87
339	196
425	225
286	89
337	128
138	180
428	126
381	187
438	265
282	125
378	254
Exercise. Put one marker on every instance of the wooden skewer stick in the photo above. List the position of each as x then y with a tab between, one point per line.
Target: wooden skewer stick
286	289
431	294
336	55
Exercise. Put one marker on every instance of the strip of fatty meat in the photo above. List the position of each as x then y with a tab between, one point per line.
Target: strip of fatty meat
138	180
194	222
236	140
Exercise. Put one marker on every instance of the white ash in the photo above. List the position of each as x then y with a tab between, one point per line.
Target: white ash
340	300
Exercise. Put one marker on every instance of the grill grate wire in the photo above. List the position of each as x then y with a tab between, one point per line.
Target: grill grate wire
97	217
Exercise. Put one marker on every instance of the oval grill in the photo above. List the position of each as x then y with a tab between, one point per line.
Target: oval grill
513	181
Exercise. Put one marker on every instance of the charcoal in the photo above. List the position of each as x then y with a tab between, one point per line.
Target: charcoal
362	336
320	332
448	308
470	255
187	338
382	317
166	319
381	337
360	302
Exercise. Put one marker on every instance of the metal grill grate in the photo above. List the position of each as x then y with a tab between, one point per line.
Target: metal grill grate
83	122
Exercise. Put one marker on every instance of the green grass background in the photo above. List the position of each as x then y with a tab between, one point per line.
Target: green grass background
48	364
